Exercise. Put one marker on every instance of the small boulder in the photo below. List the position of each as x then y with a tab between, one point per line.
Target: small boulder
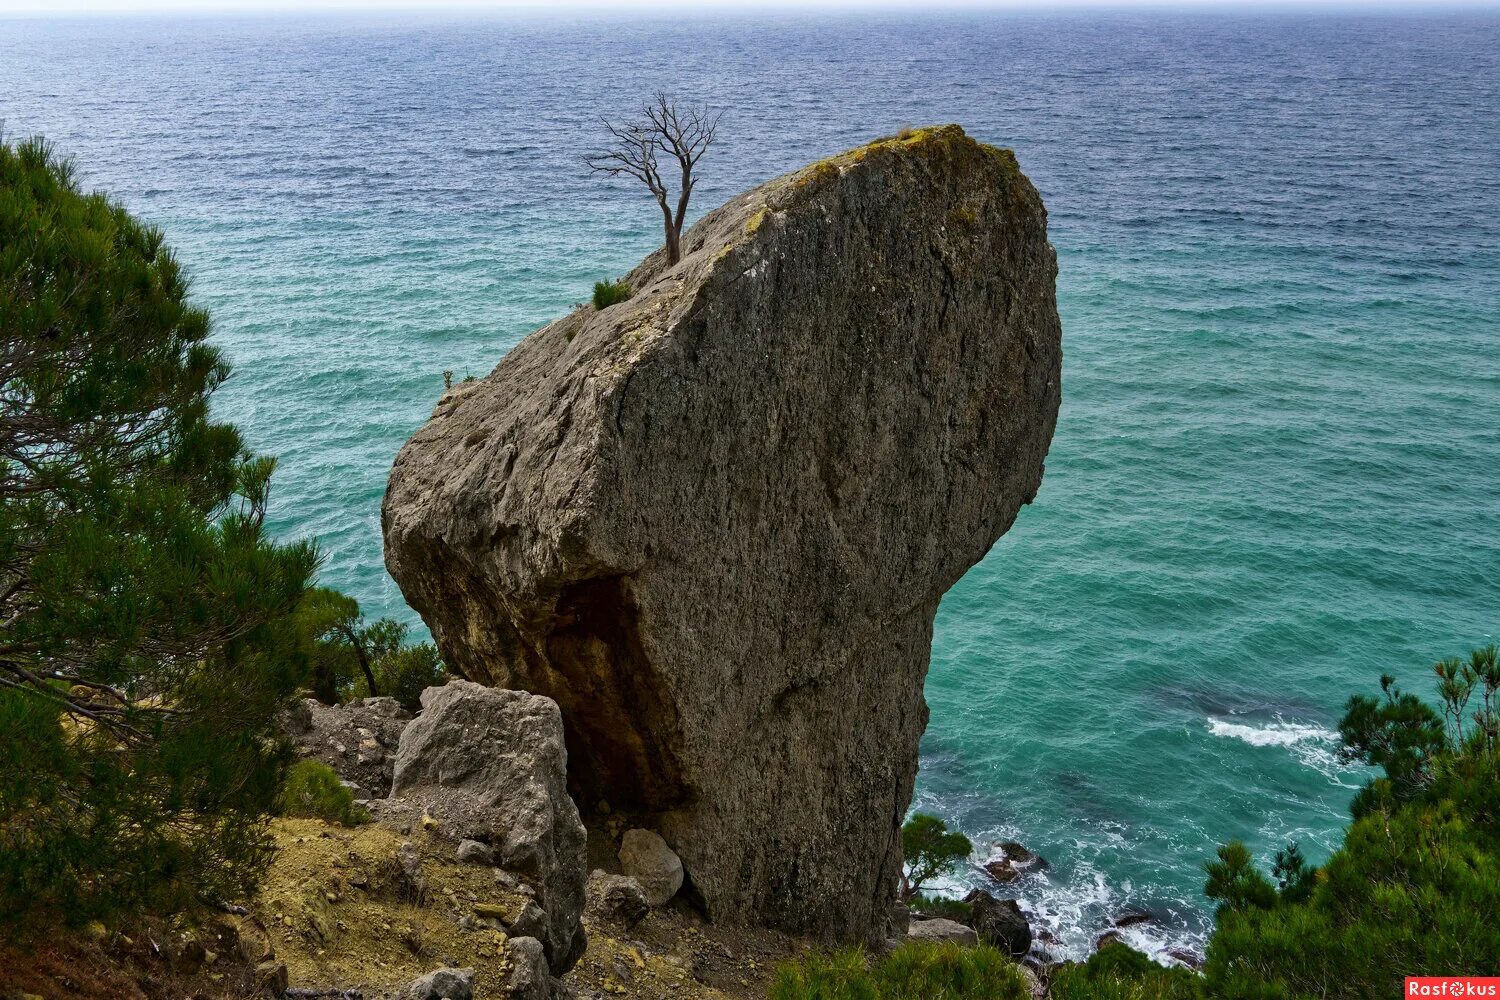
531	922
491	765
1186	957
1020	856
472	852
939	929
646	857
1000	922
1109	939
1132	917
527	977
441	984
1001	870
615	899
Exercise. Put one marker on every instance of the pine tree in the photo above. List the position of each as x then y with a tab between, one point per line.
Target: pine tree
144	644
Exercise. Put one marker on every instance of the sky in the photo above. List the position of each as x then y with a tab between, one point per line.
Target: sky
73	7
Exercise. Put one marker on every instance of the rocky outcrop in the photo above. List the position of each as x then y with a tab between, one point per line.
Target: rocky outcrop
941	929
714	522
490	766
999	922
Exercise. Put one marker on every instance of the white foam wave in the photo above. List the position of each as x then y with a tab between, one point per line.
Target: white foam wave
1314	746
1272	734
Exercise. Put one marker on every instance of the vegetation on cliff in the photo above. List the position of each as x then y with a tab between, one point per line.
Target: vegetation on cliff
143	648
149	630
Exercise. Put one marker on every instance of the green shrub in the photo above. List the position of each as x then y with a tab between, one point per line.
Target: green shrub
313	791
351	658
1119	972
144	637
608	293
942	906
911	972
404	673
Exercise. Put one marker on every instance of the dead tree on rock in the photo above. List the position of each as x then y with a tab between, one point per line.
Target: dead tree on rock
677	133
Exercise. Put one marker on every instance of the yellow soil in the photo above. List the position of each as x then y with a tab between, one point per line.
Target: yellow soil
337	910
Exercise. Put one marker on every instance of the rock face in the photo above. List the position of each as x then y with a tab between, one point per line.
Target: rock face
491	766
714	521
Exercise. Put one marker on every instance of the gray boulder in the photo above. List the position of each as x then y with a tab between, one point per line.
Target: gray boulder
714	521
490	765
943	930
1000	922
615	899
645	857
441	984
527	976
472	852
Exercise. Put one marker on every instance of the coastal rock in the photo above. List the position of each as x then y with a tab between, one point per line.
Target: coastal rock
1001	870
645	857
941	929
714	521
1000	922
491	765
616	899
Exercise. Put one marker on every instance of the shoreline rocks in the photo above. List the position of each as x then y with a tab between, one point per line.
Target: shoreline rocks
714	521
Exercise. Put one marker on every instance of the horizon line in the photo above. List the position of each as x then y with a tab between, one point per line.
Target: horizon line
42	9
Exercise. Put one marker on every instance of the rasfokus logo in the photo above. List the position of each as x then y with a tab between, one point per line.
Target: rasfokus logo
1453	986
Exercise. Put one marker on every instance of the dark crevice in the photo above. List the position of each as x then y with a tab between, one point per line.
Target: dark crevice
618	717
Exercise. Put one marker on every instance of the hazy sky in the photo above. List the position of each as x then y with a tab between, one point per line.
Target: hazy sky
214	6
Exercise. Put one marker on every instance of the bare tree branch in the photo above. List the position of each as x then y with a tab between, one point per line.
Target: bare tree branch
678	133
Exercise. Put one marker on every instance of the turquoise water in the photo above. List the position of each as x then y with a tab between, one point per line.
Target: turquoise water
1274	475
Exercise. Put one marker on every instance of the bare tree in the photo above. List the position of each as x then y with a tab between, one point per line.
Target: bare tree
678	133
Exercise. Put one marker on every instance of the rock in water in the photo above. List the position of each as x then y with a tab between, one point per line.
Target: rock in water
714	521
492	764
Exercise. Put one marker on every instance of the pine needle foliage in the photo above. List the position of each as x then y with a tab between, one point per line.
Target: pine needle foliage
608	293
1415	886
143	652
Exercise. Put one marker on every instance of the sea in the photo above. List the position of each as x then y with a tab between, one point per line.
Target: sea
1276	474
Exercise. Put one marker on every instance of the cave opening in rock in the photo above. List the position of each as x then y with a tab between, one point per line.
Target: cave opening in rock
618	717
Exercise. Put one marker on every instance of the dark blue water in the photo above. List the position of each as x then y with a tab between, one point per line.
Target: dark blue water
1275	471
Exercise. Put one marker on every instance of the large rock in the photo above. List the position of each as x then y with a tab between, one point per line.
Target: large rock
714	521
491	766
1000	922
942	930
